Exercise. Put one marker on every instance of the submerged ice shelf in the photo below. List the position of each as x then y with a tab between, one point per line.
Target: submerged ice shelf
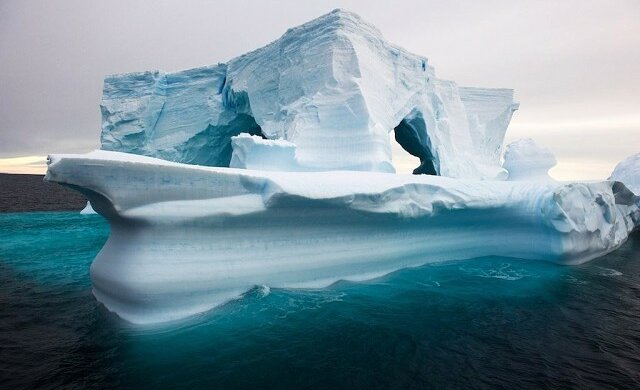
186	238
275	169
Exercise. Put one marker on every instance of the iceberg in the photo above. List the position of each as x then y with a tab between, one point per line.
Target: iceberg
275	169
88	210
525	160
628	172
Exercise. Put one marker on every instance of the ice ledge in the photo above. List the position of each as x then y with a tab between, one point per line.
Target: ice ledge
187	238
253	152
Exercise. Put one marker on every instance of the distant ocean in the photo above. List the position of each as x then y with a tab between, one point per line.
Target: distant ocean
481	323
32	193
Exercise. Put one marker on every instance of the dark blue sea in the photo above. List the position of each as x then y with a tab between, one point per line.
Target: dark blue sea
482	323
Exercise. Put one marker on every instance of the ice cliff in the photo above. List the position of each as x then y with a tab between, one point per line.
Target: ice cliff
333	87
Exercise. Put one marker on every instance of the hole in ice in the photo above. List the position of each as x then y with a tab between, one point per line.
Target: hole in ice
402	160
411	135
212	147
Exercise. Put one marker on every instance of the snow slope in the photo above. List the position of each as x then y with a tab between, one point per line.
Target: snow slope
334	87
186	238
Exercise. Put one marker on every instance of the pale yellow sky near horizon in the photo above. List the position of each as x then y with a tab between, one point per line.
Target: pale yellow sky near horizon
33	165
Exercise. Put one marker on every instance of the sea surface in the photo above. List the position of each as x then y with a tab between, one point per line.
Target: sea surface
482	323
32	193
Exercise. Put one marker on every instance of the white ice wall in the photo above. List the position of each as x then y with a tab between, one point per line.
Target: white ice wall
332	86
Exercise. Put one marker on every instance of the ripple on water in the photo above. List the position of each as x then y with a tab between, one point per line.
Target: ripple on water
603	271
504	271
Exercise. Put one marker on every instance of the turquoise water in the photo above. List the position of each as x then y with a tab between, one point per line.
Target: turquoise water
481	323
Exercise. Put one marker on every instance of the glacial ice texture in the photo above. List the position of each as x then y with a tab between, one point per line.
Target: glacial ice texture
333	87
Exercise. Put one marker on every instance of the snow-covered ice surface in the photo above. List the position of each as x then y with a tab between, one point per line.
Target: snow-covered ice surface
334	87
628	172
186	238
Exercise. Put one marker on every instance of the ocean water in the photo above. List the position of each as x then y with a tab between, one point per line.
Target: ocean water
482	323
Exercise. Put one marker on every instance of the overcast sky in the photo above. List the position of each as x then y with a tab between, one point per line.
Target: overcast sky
575	65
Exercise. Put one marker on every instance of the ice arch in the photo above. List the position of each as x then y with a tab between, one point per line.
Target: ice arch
212	147
411	134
